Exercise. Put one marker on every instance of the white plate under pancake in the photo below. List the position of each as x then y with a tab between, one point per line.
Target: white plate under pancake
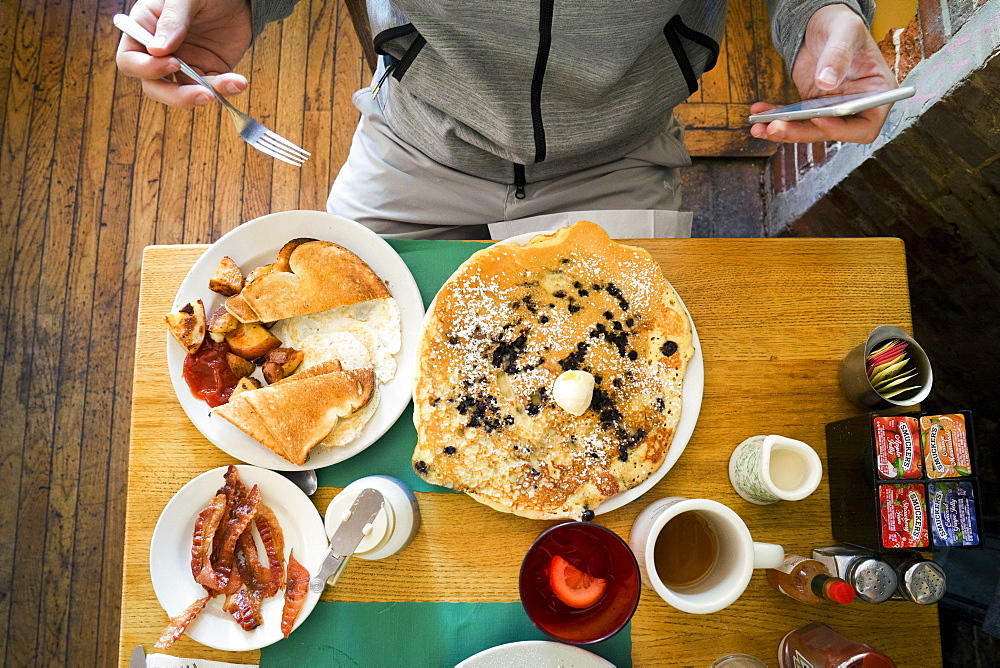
691	395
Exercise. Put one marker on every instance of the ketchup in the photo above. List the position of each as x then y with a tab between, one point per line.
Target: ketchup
207	373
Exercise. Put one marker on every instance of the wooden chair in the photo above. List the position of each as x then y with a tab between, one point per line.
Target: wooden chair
359	17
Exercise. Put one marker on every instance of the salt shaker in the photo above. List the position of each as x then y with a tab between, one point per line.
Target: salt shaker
873	580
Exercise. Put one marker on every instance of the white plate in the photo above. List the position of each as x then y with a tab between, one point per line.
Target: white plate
256	243
170	556
691	395
536	653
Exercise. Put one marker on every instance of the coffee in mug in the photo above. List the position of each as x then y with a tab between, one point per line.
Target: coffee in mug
686	550
697	554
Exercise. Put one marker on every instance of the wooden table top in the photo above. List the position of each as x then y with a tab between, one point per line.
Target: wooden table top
775	317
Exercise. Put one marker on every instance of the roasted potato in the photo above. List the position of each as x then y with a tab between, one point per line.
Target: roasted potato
240	367
187	324
220	323
246	383
250	341
228	279
259	272
281	363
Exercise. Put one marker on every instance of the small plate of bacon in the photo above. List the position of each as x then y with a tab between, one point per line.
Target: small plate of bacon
231	558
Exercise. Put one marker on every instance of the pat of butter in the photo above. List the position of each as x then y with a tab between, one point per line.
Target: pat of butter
573	391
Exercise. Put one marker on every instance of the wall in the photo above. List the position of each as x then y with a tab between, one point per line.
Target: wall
892	14
935	24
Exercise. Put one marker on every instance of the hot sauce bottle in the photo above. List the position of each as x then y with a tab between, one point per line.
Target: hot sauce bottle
808	581
819	646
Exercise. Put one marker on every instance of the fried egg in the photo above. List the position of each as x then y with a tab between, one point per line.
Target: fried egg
380	316
359	335
350	427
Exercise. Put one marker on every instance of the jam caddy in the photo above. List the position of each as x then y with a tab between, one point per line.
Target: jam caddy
904	481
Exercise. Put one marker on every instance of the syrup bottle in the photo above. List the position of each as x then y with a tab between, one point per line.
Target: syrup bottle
808	581
819	646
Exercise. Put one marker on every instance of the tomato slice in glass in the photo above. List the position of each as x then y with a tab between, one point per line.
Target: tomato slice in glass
572	586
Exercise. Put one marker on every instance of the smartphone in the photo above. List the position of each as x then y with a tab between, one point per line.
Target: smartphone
837	105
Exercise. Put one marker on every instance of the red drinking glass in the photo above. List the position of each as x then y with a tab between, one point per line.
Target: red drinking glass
596	551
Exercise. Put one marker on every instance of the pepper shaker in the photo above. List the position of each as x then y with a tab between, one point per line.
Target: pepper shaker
920	580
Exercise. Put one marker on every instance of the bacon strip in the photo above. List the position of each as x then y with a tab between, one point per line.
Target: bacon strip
204	534
221	578
274	546
248	565
234	487
295	594
175	629
244	606
236	493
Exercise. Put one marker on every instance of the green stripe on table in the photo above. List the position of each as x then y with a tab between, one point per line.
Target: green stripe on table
413	635
431	263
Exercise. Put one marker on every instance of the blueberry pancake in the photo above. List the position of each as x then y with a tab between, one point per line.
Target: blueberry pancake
503	328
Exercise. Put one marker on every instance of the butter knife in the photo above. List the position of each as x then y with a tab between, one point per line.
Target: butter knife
355	524
138	659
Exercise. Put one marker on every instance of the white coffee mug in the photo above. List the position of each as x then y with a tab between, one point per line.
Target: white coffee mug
736	557
766	469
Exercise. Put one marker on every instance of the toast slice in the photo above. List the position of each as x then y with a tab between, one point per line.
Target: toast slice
321	275
292	416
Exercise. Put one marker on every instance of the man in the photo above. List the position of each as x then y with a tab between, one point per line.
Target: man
489	111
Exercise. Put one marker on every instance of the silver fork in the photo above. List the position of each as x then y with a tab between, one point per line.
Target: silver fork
250	129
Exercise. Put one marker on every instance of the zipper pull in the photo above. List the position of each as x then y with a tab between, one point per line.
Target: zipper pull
382	79
519	181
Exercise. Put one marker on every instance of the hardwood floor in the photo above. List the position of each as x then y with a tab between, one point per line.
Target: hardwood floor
91	173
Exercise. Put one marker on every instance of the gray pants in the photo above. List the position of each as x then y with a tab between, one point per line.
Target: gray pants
397	191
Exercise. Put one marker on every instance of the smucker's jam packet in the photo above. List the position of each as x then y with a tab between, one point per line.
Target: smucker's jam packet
946	450
953	513
903	515
897	447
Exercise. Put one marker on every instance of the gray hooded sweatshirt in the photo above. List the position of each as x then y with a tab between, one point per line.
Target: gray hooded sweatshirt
516	92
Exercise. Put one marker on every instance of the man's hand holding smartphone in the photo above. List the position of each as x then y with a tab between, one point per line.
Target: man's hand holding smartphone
838	57
835	105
